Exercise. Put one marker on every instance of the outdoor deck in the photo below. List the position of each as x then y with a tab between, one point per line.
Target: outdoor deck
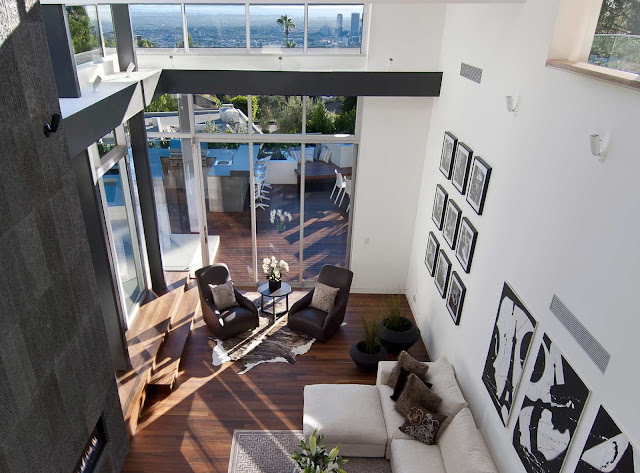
325	229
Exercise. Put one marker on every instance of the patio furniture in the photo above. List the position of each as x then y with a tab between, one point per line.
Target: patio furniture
347	190
317	323
258	195
229	322
338	185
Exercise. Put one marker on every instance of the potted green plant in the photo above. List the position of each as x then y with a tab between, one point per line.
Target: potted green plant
312	457
367	353
397	333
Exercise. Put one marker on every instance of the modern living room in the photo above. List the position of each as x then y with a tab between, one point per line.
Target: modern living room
489	215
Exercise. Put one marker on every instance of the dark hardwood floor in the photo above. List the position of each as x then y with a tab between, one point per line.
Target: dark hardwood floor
190	430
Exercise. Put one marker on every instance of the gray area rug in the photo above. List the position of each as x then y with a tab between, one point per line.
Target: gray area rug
268	343
268	451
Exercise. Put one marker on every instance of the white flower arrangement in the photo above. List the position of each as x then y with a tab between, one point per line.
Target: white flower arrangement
279	218
274	268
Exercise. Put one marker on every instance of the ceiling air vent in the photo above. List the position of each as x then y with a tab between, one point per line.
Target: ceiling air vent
589	344
472	73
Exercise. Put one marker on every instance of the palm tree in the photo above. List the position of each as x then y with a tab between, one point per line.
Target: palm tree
288	24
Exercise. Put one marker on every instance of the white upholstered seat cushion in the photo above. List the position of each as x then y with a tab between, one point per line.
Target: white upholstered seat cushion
411	456
349	414
462	447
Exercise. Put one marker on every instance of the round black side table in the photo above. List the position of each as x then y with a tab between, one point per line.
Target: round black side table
284	291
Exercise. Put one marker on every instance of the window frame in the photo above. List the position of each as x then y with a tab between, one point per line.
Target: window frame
102	48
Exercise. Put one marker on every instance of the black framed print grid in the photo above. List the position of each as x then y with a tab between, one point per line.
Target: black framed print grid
443	269
446	159
466	245
431	256
451	223
608	449
455	297
461	164
478	184
439	206
509	349
553	403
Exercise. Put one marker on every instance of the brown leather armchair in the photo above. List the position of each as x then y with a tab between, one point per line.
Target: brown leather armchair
231	321
317	323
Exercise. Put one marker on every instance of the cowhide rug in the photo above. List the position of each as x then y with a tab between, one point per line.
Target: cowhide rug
268	343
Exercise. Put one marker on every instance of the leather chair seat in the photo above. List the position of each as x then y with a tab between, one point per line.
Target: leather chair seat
241	318
309	321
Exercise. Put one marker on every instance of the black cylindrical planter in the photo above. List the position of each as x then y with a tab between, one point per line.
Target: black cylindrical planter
396	341
367	361
274	285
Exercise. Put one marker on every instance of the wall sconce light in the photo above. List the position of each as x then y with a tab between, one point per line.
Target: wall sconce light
96	82
597	148
512	104
130	69
52	127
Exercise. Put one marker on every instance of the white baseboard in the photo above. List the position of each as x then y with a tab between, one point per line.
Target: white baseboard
375	290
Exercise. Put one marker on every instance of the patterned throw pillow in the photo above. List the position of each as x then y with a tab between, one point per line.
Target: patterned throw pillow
325	155
415	391
410	364
422	424
323	297
223	296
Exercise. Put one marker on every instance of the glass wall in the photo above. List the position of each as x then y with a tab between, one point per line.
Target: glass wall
335	26
85	33
276	26
163	115
222	113
278	114
327	200
157	26
216	26
331	115
616	44
106	24
106	143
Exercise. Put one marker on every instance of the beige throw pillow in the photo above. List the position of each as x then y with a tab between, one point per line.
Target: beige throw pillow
323	297
415	391
410	364
223	295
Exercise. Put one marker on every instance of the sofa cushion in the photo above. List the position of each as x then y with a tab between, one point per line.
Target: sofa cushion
415	391
349	414
323	297
409	456
392	418
443	379
223	295
462	446
410	364
422	424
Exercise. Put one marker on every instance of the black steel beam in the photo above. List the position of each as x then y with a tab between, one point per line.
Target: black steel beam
124	35
61	50
374	84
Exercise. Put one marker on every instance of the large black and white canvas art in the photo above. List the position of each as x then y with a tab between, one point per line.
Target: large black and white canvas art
608	449
448	148
431	255
551	410
508	351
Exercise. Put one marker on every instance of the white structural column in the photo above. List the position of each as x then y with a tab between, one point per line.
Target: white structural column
190	182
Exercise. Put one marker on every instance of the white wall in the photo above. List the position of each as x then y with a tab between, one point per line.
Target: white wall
555	220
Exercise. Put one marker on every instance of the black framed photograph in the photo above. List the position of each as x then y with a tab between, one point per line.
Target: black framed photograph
455	297
443	268
452	217
466	245
439	205
461	164
478	184
446	159
431	256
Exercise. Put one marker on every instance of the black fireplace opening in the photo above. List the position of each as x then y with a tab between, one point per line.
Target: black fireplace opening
92	451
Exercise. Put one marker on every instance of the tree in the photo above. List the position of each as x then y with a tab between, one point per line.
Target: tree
145	43
180	44
287	23
348	104
346	122
83	34
321	121
289	119
164	103
240	102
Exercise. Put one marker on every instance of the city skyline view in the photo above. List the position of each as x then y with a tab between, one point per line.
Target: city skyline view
223	26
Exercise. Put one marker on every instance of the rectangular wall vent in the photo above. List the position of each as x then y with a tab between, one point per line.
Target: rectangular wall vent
589	344
471	72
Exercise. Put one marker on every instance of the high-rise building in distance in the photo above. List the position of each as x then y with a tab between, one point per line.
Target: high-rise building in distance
355	24
339	24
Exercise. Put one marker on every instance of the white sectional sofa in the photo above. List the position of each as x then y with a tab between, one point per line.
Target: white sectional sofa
364	420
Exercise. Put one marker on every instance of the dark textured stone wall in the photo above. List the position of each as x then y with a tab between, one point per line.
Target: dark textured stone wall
55	371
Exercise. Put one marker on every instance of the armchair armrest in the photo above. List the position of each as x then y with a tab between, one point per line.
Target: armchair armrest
302	303
337	311
244	302
384	370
